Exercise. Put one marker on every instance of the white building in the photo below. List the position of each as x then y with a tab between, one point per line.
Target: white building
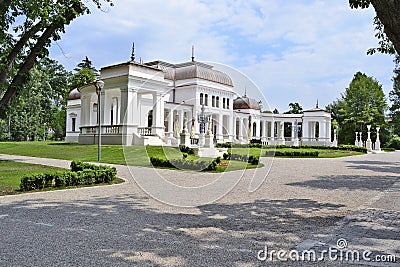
153	103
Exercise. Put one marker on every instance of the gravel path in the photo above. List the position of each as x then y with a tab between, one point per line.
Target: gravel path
302	203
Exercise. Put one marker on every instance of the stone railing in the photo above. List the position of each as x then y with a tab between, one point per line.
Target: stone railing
112	129
105	129
145	131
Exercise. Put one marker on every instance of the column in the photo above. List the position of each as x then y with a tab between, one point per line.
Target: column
158	115
322	131
369	142
305	132
84	110
129	115
180	114
220	126
293	132
273	130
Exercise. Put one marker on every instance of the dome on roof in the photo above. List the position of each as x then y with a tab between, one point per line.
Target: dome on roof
74	94
202	72
246	103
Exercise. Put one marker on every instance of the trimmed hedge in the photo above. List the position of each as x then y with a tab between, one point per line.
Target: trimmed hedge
292	153
257	145
186	149
80	174
184	164
246	158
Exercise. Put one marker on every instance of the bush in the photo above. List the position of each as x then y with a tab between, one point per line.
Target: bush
184	164
394	142
292	153
218	160
80	174
186	149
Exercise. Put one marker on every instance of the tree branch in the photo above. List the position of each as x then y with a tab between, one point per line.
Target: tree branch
20	77
388	11
14	53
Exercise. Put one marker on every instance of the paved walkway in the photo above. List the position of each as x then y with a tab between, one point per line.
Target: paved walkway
302	204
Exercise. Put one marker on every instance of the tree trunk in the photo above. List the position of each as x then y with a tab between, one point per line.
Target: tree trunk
388	12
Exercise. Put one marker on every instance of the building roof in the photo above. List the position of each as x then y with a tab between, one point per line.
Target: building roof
190	70
74	94
246	103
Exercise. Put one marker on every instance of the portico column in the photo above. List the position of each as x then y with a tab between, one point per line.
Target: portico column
158	114
220	126
305	134
84	110
181	114
293	131
272	130
171	121
322	133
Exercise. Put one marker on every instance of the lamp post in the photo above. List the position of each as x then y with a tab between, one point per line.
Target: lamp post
99	84
44	132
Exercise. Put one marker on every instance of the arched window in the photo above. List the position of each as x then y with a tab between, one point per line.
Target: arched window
213	101
206	100
254	129
227	103
201	99
223	102
217	102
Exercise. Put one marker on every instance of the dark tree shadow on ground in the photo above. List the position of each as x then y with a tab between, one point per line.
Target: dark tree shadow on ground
376	166
350	182
124	231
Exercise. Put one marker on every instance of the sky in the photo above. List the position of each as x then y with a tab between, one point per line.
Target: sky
293	51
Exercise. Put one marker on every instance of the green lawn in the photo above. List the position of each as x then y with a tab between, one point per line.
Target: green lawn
129	155
12	172
323	153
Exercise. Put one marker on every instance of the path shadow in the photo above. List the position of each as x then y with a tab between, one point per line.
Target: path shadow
350	182
124	231
376	166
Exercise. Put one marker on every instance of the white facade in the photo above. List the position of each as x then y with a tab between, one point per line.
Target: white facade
148	104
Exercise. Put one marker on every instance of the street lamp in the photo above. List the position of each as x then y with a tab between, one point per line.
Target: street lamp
99	84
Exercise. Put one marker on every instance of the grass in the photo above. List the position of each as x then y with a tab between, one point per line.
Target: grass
323	153
11	173
129	155
136	155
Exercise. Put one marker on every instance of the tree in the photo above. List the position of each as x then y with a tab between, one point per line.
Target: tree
362	103
85	74
387	23
394	97
39	103
295	108
35	24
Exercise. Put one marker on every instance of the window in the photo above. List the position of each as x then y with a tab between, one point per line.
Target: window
223	102
213	101
254	129
201	99
73	124
112	115
227	103
217	102
206	100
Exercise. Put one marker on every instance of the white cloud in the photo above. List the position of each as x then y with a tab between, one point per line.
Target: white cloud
296	51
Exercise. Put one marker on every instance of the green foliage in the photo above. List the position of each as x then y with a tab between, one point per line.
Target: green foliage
295	108
394	142
363	103
184	164
85	74
253	160
385	44
27	29
40	105
394	97
186	149
299	154
80	174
